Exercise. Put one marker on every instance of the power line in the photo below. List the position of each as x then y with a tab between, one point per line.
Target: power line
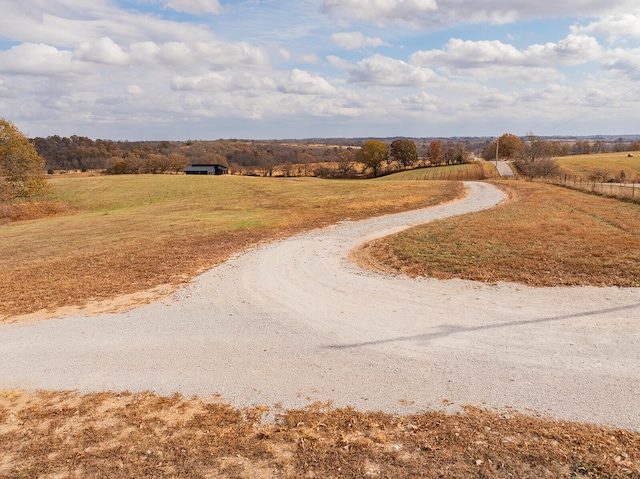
576	104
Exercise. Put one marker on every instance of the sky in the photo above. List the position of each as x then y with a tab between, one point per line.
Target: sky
266	69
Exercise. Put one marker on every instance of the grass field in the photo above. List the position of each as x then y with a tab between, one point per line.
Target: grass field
121	235
466	172
126	234
610	163
545	236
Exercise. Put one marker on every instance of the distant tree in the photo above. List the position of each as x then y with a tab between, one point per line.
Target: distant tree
435	152
177	162
534	158
373	154
404	152
508	146
455	154
22	170
346	164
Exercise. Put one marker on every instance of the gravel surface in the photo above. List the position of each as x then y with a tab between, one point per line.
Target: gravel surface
294	322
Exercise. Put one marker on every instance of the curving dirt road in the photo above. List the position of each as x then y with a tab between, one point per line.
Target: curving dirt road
294	322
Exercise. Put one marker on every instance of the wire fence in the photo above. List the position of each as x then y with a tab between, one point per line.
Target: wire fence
629	191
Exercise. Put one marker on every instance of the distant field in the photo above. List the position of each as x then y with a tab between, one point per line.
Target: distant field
472	171
126	234
611	163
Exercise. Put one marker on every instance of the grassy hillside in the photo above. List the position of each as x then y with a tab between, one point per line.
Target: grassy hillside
545	236
125	234
610	163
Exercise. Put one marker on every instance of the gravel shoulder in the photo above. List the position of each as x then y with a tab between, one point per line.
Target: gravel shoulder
295	322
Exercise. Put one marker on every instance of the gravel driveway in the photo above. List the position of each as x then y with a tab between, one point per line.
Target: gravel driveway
294	322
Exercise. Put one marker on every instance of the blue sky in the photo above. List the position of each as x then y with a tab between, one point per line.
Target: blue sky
260	69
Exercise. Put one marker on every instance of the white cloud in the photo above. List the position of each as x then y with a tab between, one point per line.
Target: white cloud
310	58
382	11
386	71
215	53
304	83
67	23
284	54
40	59
441	13
467	54
356	40
134	90
222	81
339	63
193	6
622	26
421	102
103	51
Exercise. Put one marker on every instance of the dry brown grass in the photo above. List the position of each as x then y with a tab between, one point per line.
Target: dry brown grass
50	435
31	210
125	235
545	236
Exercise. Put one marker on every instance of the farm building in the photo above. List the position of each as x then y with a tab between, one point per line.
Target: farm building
206	170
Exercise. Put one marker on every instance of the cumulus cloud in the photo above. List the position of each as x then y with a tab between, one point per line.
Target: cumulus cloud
215	53
467	54
103	51
304	83
194	6
386	71
356	41
298	82
39	59
441	13
614	27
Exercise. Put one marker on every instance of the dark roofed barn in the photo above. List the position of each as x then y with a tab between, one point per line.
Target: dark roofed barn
206	170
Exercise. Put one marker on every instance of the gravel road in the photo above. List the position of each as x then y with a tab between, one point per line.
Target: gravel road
294	322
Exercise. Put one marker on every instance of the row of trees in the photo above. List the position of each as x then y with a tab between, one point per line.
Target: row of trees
291	158
402	154
508	146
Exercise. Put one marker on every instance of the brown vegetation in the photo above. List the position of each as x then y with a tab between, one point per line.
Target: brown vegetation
545	236
144	435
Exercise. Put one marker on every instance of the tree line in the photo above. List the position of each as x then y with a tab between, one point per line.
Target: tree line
509	145
263	158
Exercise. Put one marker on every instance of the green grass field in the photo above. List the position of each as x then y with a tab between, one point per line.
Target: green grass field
611	163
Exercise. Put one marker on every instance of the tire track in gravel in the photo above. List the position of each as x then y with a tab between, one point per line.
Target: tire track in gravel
293	322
